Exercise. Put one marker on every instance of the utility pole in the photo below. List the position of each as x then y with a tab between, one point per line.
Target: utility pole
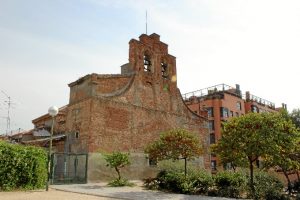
8	112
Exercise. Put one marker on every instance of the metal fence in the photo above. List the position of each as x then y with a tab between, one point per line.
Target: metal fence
69	168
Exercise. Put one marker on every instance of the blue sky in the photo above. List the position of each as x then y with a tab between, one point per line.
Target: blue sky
46	44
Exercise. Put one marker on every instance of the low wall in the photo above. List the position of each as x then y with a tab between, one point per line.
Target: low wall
138	169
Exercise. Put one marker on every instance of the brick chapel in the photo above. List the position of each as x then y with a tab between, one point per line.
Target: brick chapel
125	112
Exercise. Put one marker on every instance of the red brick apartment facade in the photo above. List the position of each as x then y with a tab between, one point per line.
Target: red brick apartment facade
221	102
127	111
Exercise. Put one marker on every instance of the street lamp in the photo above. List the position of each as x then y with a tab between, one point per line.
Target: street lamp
53	110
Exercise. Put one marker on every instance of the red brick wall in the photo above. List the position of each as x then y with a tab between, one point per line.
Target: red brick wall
126	112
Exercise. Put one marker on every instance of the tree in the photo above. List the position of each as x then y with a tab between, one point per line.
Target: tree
254	136
117	160
294	154
285	156
175	144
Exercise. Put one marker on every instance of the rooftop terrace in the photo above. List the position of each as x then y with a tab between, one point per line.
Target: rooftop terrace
202	93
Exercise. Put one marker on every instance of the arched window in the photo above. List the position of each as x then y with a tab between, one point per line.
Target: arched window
147	63
164	70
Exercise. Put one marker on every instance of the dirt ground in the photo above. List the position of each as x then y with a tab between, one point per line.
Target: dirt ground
50	195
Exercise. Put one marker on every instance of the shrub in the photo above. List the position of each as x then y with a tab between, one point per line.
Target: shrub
196	182
171	180
230	184
120	183
201	181
22	167
151	183
296	186
266	186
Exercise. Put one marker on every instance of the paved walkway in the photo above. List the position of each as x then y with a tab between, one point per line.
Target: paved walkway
128	193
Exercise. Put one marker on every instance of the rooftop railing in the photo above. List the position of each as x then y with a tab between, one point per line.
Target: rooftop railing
209	90
223	87
261	101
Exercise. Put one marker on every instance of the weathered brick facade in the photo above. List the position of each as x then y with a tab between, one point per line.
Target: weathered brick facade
127	111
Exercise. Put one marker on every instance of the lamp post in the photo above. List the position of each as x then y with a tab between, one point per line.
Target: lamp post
53	110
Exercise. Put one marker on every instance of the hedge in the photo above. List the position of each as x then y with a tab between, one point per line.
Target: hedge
22	167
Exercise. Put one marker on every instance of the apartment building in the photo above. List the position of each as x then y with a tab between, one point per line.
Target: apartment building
222	102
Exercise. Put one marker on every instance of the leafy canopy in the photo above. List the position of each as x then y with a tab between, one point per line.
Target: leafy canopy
117	160
256	135
175	144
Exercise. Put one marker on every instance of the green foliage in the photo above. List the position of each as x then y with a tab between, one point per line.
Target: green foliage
257	135
266	186
201	181
171	181
175	144
22	167
120	183
224	184
230	184
196	182
117	160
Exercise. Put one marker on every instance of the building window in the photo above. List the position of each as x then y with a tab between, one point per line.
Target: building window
210	112
254	109
239	105
237	114
164	70
147	63
211	125
231	113
212	138
213	165
224	112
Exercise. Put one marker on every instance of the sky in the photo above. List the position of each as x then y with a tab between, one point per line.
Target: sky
46	44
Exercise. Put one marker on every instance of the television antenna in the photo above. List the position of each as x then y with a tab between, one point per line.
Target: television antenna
9	103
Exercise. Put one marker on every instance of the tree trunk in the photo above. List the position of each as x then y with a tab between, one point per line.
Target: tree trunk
288	180
118	171
251	176
233	167
185	167
297	172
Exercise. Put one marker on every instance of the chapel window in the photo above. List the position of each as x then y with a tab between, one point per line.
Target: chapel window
147	63
164	70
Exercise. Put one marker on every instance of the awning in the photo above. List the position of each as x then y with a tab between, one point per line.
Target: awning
55	137
41	133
